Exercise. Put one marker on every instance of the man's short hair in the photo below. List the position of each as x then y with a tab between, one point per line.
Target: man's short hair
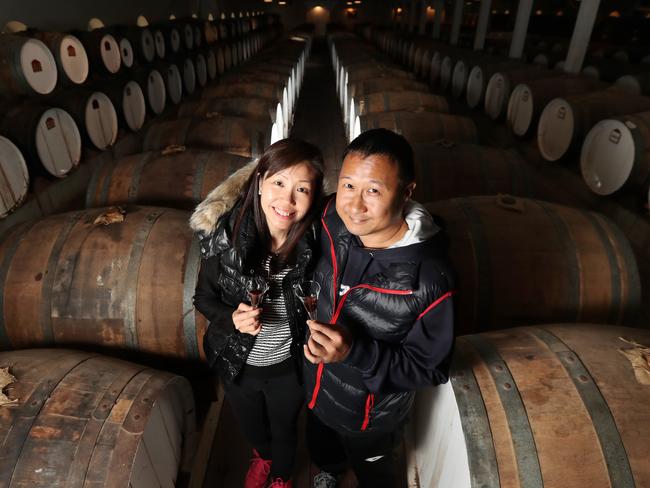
387	143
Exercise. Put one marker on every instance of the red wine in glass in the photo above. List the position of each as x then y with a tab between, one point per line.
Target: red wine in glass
256	286
307	292
256	297
311	303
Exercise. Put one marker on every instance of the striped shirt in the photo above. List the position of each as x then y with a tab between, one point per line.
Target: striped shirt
272	344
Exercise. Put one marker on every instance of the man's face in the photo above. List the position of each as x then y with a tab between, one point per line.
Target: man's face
370	199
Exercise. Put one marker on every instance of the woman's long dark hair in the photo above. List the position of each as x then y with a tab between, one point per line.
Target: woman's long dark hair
277	157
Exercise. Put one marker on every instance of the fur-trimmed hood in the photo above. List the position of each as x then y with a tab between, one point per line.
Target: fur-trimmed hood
220	200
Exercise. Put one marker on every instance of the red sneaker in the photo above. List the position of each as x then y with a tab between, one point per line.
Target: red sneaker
280	483
258	472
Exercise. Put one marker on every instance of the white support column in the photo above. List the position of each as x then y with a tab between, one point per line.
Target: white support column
413	15
521	28
439	6
581	35
456	22
482	25
423	17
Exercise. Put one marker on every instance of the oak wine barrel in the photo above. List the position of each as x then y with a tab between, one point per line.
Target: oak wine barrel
70	54
523	261
161	42
234	87
637	84
127	285
434	66
254	108
210	32
94	112
103	51
173	81
142	42
419	127
446	170
128	100
237	135
479	76
211	64
28	67
187	36
179	178
82	419
356	73
379	85
171	40
554	405
501	84
127	52
529	99
45	134
564	122
153	86
395	101
616	153
609	70
448	65
360	73
201	68
273	91
188	74
14	177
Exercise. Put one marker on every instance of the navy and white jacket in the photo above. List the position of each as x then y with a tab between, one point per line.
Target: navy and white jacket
397	304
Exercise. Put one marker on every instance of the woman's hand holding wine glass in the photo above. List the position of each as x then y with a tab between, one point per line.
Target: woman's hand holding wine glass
247	317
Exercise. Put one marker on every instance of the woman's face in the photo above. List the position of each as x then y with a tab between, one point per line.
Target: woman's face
286	197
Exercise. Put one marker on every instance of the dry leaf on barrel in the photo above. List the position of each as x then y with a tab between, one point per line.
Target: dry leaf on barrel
639	356
6	378
172	149
113	215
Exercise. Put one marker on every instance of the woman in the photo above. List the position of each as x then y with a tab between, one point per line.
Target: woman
257	351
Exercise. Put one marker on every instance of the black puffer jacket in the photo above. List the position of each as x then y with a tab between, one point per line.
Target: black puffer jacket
222	287
400	313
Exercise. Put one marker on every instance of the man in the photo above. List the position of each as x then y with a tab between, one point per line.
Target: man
385	315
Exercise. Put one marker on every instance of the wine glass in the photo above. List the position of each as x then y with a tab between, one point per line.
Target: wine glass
307	291
256	286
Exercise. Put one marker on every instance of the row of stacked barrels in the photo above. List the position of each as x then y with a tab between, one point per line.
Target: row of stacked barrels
120	278
601	117
519	393
46	134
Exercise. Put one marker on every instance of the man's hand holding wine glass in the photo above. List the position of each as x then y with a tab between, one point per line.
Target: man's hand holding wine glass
328	343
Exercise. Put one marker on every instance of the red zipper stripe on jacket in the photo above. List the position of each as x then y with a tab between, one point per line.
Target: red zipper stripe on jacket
436	303
332	252
314	395
386	291
335	317
370	402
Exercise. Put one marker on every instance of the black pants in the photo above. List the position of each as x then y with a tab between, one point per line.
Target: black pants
267	411
371	455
